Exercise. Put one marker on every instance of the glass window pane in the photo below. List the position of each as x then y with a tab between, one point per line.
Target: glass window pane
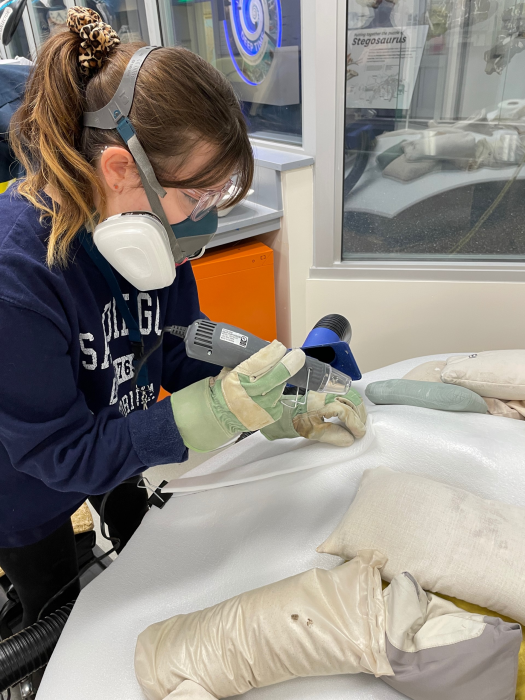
256	44
50	17
127	17
435	130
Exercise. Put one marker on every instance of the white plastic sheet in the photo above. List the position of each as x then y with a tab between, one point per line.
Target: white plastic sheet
209	546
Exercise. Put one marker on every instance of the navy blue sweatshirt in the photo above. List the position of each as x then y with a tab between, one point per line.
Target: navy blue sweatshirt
70	423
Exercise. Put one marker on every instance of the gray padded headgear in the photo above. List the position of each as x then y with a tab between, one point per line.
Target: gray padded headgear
114	115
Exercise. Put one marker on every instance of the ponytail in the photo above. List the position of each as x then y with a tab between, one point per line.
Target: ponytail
46	135
180	101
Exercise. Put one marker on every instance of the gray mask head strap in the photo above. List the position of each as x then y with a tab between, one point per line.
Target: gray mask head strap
120	104
157	209
142	161
114	115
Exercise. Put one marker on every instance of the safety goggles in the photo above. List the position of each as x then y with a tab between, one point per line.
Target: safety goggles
207	200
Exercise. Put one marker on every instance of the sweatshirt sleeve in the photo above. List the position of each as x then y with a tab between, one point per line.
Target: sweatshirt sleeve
46	426
179	370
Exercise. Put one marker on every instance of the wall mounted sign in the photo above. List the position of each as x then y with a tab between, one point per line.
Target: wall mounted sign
382	66
253	31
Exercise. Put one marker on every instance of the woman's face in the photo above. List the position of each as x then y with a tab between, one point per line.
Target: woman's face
124	191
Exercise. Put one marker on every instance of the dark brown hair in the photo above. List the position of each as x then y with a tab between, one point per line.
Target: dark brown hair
180	100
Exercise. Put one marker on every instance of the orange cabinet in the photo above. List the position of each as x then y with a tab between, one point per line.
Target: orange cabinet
236	286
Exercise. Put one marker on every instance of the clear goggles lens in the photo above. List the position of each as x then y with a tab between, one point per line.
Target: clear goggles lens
207	200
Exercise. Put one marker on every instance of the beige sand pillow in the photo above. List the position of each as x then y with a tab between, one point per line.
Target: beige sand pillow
427	372
495	374
441	146
506	409
451	541
401	169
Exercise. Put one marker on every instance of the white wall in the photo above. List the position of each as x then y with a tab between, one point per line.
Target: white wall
394	321
391	320
293	253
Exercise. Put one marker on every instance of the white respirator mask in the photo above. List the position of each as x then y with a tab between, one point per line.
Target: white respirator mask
143	246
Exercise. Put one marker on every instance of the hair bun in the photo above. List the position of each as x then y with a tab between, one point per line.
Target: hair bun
98	38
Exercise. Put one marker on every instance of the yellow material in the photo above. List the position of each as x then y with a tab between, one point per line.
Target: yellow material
470	607
82	521
3	187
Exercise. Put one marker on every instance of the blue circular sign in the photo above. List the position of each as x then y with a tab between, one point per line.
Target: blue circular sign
255	27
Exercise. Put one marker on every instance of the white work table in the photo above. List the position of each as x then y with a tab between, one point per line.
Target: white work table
206	547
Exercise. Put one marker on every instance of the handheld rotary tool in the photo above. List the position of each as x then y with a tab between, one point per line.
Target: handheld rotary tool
228	346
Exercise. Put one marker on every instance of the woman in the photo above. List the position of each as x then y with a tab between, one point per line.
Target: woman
74	381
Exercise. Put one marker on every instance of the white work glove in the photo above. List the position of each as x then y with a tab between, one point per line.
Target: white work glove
211	412
308	420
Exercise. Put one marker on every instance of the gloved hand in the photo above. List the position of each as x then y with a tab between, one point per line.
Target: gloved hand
211	412
308	420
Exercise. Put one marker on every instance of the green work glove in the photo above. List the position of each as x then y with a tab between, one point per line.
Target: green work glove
308	420
211	412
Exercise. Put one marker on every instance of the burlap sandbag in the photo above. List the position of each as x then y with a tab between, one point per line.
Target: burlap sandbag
317	623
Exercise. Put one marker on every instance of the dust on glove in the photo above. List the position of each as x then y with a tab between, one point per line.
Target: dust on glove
309	420
211	412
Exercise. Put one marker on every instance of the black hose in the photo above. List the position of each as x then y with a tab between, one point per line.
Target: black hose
338	324
31	649
360	163
179	331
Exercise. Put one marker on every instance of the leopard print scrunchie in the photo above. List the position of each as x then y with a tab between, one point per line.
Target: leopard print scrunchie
98	38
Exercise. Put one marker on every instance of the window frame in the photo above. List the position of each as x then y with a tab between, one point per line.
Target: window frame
152	22
158	20
325	37
323	80
7	52
306	147
30	32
